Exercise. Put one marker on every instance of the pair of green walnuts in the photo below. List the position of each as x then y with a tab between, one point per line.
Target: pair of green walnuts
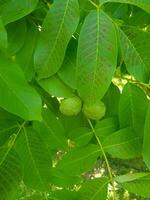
72	106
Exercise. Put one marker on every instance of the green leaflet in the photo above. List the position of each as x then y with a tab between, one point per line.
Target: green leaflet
123	144
80	136
132	108
144	4
138	183
51	130
95	189
3	36
146	146
135	52
10	173
16	36
7	129
35	158
112	96
63	179
24	56
56	87
104	128
58	28
68	69
79	160
96	56
14	9
18	97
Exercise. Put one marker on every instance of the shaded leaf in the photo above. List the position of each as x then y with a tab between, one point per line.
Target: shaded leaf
3	36
25	55
16	36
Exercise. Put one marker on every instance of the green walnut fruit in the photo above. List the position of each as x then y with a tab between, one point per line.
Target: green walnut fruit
95	111
71	106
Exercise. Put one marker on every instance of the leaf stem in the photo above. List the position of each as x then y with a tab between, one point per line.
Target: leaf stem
94	4
105	158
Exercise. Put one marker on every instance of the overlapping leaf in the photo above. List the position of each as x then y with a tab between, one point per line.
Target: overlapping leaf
14	9
79	160
138	183
56	87
135	52
17	96
24	56
94	189
123	144
10	173
36	159
51	130
3	36
146	145
58	28
144	4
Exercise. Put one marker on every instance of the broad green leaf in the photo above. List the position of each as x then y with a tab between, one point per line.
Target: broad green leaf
3	36
17	96
25	55
14	9
144	4
95	189
135	52
138	183
132	108
16	36
106	127
79	160
123	144
146	142
51	130
36	159
58	27
56	87
10	173
80	136
96	56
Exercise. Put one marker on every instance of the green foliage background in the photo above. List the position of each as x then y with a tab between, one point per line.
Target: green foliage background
93	49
